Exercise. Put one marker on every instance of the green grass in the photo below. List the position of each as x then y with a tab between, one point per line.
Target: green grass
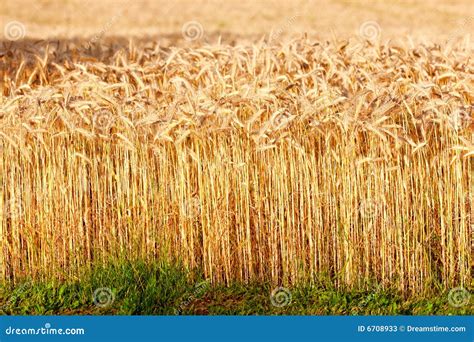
161	289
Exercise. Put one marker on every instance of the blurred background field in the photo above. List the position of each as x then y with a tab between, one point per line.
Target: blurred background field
435	20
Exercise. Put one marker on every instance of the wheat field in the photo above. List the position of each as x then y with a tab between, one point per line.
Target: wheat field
273	160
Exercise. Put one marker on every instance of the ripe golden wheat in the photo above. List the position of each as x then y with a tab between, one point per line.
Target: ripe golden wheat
279	163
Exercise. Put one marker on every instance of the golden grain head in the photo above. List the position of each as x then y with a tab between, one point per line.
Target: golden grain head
277	163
